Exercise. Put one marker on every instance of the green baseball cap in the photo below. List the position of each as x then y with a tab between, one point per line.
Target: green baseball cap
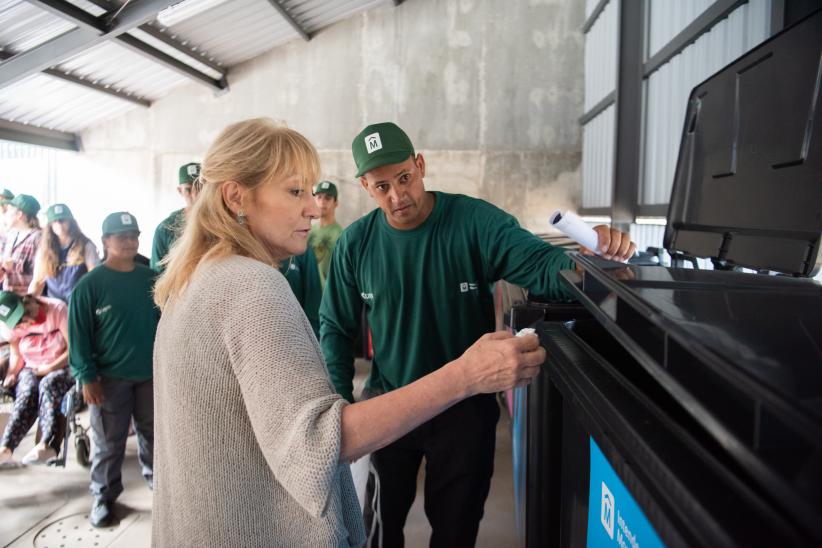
11	308
120	221
58	212
378	145
25	203
6	196
326	187
189	173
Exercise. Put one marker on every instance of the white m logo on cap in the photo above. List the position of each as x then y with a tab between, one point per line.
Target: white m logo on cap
373	142
125	219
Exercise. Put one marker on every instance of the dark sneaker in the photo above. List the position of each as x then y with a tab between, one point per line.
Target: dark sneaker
100	515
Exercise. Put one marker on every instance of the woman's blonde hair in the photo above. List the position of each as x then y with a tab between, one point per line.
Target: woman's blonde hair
252	153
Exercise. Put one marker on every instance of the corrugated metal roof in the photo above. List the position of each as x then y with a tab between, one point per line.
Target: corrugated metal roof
50	103
223	35
24	26
113	64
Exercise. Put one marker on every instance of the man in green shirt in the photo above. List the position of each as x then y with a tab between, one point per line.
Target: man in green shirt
324	234
112	322
302	275
422	264
170	228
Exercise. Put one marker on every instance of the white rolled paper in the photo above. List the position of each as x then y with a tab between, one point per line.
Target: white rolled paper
575	228
526	331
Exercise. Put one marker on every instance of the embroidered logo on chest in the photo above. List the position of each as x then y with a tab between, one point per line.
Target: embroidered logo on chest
465	287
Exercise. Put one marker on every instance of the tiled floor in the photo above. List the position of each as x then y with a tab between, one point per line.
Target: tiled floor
47	507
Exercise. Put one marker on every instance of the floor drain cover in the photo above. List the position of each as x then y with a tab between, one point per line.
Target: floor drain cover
75	531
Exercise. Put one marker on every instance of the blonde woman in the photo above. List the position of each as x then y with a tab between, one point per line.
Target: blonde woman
64	256
255	444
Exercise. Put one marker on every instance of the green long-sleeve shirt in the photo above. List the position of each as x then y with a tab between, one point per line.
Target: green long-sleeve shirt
112	322
427	290
165	235
303	276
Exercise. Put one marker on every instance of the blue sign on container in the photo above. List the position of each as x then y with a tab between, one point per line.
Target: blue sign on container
614	517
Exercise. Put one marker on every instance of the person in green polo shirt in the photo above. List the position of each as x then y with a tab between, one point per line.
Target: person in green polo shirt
422	265
324	234
170	228
303	277
112	322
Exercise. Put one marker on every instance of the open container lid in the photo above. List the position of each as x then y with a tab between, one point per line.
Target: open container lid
748	183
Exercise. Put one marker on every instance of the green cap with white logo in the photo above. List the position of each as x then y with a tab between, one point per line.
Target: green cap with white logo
121	221
58	212
326	187
379	145
11	308
189	173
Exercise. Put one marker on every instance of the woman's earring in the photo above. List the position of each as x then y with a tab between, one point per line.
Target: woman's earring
241	217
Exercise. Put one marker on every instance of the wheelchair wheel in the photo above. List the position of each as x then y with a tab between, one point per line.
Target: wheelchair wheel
81	446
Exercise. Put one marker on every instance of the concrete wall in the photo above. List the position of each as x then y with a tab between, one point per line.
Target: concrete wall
489	91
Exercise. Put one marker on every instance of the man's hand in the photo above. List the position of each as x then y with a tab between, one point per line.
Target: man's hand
93	393
614	244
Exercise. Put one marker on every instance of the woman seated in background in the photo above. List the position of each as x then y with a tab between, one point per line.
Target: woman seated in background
64	255
255	447
37	331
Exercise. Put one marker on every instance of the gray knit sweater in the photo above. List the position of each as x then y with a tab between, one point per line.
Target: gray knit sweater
247	423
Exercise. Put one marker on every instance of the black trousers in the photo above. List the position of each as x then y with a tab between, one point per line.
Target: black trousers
458	446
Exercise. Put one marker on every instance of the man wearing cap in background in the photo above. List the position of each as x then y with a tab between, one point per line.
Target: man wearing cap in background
170	228
112	322
324	234
22	240
423	265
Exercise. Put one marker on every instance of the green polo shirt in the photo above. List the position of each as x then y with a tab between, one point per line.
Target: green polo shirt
165	235
427	291
112	322
304	278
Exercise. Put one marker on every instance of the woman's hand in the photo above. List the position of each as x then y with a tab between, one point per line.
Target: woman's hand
93	393
42	370
10	380
499	361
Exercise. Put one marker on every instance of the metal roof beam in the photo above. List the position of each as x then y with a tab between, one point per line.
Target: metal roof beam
278	5
71	43
72	14
87	21
199	56
22	133
125	96
157	31
56	73
152	53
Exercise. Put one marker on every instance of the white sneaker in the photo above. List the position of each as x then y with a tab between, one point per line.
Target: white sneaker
39	454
